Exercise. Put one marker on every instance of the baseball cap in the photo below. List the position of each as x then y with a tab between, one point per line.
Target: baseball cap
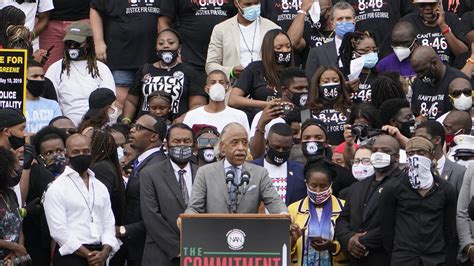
99	99
10	117
78	32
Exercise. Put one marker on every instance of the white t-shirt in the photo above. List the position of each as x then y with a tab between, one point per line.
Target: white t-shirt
250	38
73	91
39	112
279	177
30	10
219	120
267	127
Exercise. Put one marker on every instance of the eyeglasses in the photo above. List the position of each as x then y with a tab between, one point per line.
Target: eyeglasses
466	92
364	161
203	142
139	127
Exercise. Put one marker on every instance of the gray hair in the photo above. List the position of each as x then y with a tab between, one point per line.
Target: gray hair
342	6
222	137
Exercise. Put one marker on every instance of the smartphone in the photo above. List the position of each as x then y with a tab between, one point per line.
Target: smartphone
287	108
49	50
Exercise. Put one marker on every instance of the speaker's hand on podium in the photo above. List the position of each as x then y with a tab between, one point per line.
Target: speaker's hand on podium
178	223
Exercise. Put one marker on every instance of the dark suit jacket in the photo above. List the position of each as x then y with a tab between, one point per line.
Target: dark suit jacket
161	205
324	55
135	237
295	186
355	218
454	173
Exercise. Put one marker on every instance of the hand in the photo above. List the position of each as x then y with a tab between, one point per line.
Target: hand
354	85
101	51
178	223
28	156
355	248
40	56
34	207
19	250
420	118
391	130
321	244
306	5
295	233
270	112
237	70
348	138
97	257
439	11
117	232
471	255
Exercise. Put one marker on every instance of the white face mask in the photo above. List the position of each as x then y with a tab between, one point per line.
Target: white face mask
380	160
217	92
361	172
402	53
462	103
419	172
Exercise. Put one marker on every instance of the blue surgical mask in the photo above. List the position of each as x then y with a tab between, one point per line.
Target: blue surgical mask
344	27
251	13
370	60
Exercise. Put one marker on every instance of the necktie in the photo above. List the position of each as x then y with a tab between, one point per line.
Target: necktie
236	183
182	184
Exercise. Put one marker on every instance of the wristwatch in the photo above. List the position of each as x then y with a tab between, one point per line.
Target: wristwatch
122	230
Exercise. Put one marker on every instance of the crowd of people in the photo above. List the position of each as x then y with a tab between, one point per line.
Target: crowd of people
355	117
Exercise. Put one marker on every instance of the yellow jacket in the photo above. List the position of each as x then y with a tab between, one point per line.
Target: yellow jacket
300	212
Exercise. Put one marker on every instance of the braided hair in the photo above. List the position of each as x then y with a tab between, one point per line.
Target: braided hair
385	88
103	148
348	46
92	68
9	16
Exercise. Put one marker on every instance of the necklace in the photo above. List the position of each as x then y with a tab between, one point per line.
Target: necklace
168	68
253	40
6	203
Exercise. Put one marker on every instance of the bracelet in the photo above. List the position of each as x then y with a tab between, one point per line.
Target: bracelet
260	130
470	60
447	30
301	11
22	212
126	120
232	73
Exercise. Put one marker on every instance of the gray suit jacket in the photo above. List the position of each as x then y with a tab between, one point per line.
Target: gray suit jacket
324	55
464	225
161	204
454	173
210	194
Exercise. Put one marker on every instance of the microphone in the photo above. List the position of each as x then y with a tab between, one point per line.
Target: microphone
245	179
229	179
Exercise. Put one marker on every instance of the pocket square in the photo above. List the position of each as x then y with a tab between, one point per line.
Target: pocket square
252	187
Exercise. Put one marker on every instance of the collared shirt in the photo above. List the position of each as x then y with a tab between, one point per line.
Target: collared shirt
147	153
440	165
338	42
79	215
229	167
188	176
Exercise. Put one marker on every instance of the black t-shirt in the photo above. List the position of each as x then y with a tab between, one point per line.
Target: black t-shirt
181	82
195	21
364	92
335	122
432	101
468	20
253	83
70	10
130	31
432	36
379	17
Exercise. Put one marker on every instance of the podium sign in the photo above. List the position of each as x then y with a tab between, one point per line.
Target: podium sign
235	239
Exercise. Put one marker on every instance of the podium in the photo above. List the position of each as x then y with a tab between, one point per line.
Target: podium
235	239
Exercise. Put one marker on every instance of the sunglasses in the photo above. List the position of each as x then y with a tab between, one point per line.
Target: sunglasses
139	127
466	92
207	141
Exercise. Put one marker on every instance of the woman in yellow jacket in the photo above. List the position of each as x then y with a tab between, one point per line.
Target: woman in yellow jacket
316	215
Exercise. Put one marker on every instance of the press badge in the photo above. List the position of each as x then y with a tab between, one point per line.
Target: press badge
94	230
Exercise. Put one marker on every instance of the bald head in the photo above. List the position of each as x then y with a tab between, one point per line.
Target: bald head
387	141
423	54
77	144
459	84
403	30
456	121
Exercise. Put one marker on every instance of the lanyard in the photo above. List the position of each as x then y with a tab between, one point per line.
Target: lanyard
84	197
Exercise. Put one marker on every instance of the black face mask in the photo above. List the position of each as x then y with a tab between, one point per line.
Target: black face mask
329	91
407	128
180	154
35	87
282	58
15	179
168	57
16	142
76	53
323	20
313	148
299	99
81	162
206	155
277	157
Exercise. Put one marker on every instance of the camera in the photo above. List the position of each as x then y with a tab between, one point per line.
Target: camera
364	132
23	260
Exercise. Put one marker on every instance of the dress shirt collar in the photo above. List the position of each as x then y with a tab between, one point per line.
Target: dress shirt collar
440	164
176	168
147	153
227	165
68	171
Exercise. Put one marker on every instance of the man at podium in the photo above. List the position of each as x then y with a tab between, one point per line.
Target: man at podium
232	185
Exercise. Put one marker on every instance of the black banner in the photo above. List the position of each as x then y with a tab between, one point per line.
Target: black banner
210	241
13	67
